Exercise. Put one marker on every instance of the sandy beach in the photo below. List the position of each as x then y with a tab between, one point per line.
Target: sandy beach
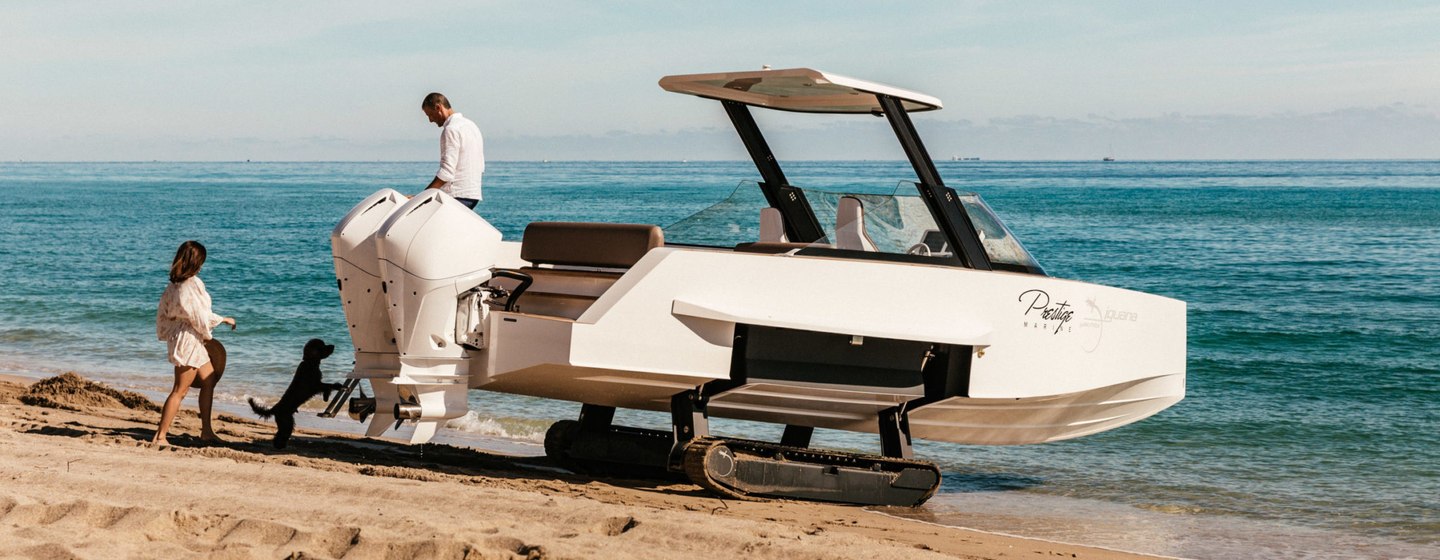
78	479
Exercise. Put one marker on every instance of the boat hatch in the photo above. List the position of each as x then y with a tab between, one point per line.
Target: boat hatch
797	89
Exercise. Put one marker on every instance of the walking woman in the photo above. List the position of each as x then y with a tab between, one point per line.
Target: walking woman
184	321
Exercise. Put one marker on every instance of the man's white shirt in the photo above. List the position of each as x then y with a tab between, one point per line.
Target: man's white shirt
462	157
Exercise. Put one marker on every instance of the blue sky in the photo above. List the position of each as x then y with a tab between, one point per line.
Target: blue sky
576	80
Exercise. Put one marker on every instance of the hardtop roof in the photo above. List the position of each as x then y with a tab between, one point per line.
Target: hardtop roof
797	89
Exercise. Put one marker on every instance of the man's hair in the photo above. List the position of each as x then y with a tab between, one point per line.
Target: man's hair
187	261
435	100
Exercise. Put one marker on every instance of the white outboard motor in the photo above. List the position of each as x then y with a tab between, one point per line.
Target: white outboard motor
434	252
357	272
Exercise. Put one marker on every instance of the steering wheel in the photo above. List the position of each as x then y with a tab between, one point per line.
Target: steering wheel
918	249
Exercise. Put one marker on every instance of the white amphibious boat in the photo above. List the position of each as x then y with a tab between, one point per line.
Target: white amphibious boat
909	314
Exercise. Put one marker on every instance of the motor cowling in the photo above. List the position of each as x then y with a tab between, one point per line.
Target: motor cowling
432	250
357	274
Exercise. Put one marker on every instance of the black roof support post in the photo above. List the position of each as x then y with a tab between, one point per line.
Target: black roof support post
944	203
800	223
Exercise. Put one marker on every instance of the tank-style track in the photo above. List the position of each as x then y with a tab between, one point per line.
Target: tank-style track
744	469
749	470
558	440
616	451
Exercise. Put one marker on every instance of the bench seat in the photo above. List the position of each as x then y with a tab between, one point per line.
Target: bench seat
574	263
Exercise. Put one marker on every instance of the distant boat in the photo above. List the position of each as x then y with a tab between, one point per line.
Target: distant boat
964	158
1107	158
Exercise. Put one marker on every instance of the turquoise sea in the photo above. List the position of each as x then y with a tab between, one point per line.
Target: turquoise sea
1311	428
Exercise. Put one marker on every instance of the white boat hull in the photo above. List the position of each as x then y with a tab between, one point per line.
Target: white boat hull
1117	359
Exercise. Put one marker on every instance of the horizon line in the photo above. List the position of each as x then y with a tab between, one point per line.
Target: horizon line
978	160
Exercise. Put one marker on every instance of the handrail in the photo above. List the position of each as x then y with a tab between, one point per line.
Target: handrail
524	279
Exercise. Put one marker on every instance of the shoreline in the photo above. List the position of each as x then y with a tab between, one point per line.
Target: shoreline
643	517
1134	531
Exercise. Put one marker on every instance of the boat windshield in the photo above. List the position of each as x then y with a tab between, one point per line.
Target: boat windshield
1003	248
896	223
727	223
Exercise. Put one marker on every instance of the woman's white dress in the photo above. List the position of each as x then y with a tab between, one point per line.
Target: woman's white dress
184	321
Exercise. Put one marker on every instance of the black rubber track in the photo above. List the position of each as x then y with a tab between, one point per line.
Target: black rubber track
698	453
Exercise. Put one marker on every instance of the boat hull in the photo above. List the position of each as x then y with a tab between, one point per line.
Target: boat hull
1078	360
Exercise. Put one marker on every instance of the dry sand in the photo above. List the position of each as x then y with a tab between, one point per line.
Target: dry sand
79	480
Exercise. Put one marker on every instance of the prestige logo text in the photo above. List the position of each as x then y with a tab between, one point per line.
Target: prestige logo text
1039	301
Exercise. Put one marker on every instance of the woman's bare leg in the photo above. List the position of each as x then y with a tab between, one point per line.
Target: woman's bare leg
184	376
207	387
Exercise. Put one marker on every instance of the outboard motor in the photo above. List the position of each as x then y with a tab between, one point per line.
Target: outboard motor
357	273
434	254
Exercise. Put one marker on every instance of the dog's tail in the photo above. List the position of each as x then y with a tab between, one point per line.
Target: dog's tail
260	410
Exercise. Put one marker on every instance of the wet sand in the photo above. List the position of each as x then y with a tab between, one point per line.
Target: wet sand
78	479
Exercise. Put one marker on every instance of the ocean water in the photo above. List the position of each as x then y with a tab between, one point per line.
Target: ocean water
1309	430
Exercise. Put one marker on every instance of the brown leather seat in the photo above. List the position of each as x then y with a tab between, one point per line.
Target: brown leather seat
595	256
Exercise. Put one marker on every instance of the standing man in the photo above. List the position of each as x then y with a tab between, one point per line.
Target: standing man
462	151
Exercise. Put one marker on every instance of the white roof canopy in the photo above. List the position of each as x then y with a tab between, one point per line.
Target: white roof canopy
796	89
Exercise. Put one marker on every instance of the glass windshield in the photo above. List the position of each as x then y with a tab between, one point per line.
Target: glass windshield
1001	246
893	223
727	223
898	223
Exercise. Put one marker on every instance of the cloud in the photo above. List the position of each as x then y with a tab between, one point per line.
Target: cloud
1387	132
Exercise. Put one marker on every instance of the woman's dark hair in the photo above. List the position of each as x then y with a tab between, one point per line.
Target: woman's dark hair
187	261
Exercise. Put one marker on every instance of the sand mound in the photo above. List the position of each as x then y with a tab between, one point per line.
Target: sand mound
10	392
72	392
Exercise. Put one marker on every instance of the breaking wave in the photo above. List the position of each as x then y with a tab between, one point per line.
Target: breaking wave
508	428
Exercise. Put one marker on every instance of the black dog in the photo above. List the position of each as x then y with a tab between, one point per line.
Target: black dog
305	386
